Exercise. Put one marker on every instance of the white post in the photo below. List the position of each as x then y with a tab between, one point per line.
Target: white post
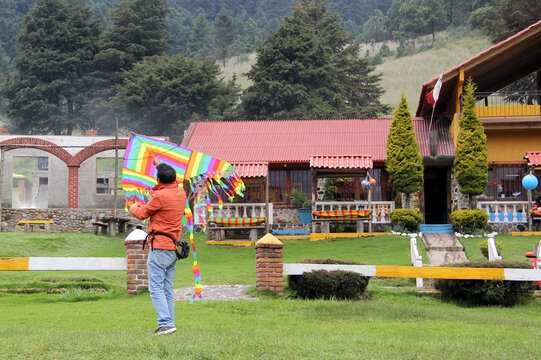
416	259
492	250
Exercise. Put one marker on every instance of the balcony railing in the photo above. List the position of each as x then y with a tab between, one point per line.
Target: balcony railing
505	211
508	104
380	209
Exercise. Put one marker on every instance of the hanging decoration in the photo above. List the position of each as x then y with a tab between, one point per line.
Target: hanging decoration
202	173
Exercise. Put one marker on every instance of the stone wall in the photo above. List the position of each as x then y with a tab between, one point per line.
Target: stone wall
65	220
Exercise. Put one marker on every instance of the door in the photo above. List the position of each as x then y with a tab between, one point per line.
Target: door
436	190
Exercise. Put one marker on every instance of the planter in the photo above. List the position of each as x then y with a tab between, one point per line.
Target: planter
305	215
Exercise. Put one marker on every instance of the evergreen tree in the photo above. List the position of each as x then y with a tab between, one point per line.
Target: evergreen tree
224	34
471	167
139	31
162	95
49	87
199	45
404	163
309	68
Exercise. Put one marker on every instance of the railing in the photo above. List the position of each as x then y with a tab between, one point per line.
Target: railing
416	259
380	209
505	211
240	210
508	104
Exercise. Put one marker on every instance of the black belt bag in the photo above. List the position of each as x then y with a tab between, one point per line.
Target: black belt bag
183	249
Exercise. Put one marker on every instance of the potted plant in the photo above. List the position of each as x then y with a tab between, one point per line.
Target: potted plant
304	204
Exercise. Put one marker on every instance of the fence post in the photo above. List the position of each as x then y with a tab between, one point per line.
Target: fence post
136	261
269	264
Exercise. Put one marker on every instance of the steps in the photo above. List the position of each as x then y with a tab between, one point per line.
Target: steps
436	228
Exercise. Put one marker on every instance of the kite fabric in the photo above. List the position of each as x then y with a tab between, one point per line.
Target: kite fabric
203	173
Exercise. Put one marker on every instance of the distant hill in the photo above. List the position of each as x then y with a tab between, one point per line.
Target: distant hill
400	75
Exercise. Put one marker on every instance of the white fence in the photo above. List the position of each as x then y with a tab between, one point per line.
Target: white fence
245	210
505	211
380	209
416	259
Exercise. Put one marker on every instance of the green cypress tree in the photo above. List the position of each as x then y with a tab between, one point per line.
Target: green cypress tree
471	167
404	162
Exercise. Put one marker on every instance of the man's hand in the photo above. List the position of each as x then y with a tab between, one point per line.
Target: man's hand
155	161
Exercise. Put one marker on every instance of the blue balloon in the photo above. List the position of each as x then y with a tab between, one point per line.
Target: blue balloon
530	182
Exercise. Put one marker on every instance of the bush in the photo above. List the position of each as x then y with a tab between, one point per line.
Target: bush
483	246
487	292
299	199
406	218
322	284
469	221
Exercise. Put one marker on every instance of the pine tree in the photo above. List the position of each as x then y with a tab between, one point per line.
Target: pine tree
139	31
199	45
309	68
404	162
49	87
224	34
471	167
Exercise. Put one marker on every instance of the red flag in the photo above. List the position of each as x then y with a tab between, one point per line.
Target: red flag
432	97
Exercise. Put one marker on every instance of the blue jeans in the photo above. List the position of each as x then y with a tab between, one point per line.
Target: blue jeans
161	271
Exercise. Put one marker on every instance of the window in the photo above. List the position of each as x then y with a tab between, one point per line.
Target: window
105	175
282	181
505	181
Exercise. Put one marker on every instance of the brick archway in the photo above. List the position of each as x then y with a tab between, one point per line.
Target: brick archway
76	161
73	162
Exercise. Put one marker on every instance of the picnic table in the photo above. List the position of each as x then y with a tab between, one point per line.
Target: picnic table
325	218
109	225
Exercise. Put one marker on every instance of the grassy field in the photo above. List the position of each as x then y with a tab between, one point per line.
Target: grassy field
390	323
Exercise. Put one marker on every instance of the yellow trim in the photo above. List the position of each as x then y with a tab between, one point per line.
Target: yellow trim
36	221
525	233
233	242
13	263
440	272
325	236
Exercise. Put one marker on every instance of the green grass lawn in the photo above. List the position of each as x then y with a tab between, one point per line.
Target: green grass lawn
391	323
514	247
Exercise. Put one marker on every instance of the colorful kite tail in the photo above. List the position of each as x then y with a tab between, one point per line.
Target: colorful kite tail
196	274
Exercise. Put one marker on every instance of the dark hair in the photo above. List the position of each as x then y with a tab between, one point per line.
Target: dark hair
166	174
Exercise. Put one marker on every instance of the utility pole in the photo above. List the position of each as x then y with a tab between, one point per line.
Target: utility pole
116	167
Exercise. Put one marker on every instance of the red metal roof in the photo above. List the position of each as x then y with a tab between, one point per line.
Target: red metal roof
534	157
279	141
247	170
342	162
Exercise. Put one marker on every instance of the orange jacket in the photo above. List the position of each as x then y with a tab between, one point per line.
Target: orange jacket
165	209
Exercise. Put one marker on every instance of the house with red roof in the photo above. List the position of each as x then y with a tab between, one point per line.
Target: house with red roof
511	115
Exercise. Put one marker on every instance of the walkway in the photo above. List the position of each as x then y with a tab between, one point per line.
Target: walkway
216	292
443	249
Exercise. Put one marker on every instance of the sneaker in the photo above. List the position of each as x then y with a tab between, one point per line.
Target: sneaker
162	330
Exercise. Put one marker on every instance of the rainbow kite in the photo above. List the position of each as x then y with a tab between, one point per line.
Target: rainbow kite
203	173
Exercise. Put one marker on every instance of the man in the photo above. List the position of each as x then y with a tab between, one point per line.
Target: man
165	209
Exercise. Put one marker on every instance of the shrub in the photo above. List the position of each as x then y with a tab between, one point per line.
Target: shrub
468	221
406	218
322	284
299	199
483	246
486	292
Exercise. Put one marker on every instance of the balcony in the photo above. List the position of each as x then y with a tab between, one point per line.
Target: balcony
509	109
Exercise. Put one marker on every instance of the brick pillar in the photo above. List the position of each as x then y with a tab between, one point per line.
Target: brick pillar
269	264
73	186
136	259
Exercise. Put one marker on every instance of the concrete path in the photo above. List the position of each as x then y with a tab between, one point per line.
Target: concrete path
443	249
215	292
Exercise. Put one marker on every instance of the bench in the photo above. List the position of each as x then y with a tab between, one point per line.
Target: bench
29	224
218	226
325	218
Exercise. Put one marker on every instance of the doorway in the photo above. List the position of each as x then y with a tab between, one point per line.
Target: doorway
436	190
